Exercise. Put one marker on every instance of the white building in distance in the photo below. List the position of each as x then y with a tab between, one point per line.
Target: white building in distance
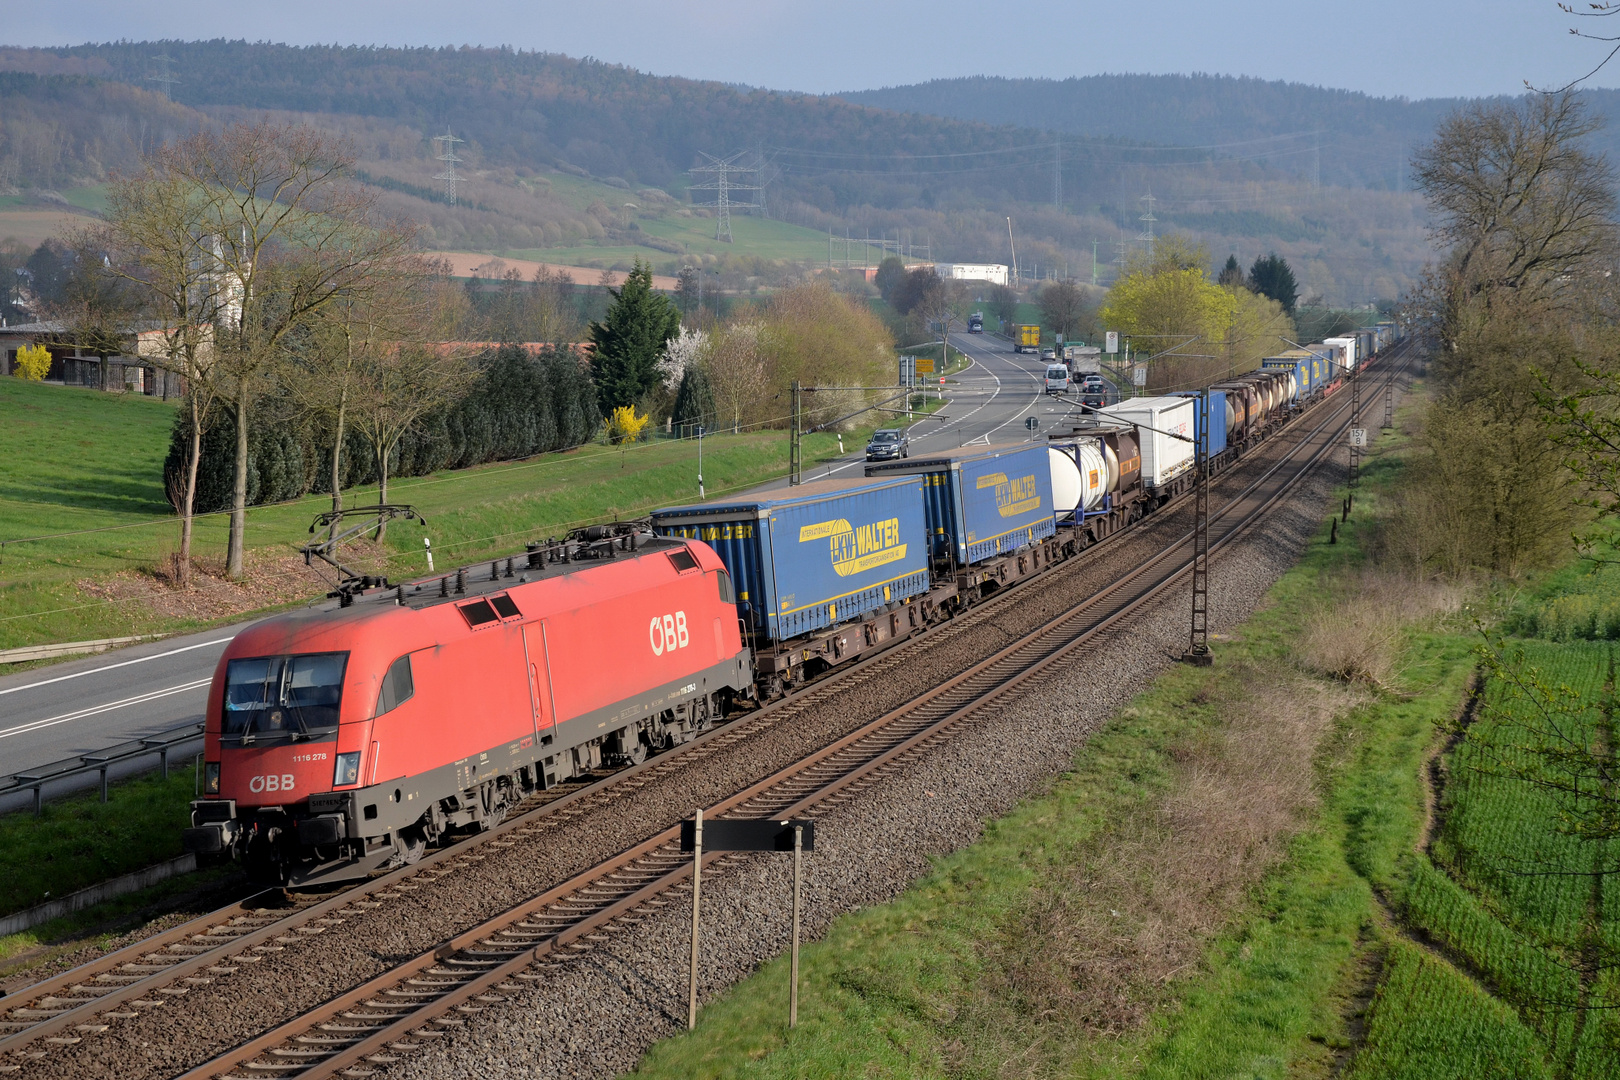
994	273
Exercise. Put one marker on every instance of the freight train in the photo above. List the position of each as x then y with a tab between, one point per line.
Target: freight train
348	737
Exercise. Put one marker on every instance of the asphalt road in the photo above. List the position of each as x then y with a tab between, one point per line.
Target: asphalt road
78	707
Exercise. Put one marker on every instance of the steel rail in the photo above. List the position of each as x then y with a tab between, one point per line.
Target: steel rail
388	1012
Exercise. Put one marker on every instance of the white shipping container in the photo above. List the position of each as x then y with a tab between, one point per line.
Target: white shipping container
1349	343
1164	457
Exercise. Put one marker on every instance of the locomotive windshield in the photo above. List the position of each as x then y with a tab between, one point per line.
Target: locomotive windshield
284	695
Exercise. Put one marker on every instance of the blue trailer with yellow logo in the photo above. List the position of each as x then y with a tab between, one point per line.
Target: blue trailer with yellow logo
816	555
989	512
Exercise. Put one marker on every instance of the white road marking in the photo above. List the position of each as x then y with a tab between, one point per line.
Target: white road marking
110	667
36	725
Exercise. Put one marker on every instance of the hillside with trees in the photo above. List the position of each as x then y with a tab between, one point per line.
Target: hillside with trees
1346	138
587	163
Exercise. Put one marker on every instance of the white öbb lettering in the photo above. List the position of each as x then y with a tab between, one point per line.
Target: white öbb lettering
260	784
666	633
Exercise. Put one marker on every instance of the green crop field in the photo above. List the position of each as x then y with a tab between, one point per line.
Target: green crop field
1431	1021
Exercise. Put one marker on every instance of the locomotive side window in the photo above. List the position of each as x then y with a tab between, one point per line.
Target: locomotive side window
504	606
723	579
682	560
397	686
478	613
291	695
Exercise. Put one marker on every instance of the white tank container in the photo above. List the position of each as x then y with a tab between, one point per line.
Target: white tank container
1066	487
1082	475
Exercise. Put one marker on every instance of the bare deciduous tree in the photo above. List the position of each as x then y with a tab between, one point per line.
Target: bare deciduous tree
157	238
406	370
1520	201
289	236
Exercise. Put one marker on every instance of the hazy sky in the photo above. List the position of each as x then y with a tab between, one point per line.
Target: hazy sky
1419	48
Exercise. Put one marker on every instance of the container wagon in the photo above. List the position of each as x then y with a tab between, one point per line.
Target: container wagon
1216	409
1165	427
823	571
1096	481
988	510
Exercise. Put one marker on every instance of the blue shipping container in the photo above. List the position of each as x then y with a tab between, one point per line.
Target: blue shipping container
1217	417
982	501
808	557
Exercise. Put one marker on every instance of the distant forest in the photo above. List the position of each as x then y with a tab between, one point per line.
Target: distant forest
68	116
1358	140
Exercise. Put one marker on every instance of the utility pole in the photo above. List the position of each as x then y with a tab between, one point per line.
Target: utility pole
1094	260
796	449
1057	173
448	156
1148	219
1197	652
1014	248
1355	424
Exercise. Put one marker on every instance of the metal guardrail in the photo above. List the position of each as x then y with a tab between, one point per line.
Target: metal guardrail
162	744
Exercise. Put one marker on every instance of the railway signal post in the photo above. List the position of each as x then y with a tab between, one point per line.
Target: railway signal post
797	835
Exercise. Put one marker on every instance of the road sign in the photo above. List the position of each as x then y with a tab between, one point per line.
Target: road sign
747	834
1112	341
1139	377
1358	437
1031	423
797	835
925	365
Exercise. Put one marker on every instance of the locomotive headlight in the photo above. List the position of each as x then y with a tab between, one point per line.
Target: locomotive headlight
348	769
211	778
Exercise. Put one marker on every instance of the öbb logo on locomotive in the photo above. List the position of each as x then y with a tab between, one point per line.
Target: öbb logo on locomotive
272	782
666	633
855	550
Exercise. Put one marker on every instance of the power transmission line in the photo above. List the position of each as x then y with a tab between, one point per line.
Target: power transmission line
1148	219
448	156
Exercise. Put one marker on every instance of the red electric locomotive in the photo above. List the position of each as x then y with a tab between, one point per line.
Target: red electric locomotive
346	737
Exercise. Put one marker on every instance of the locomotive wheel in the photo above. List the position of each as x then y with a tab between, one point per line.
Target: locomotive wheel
410	846
638	753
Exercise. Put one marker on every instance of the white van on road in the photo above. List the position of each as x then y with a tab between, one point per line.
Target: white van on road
1057	379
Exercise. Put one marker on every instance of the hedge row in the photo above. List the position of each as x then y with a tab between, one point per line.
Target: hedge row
521	404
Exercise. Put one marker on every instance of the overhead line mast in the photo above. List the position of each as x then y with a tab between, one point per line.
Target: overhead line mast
448	156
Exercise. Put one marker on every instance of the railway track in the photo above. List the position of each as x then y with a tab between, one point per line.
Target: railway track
64	1009
428	996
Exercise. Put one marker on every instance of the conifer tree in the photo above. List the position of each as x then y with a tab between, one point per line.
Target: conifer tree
625	346
1272	276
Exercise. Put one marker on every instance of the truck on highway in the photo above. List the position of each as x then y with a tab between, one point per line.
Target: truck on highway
1026	338
976	323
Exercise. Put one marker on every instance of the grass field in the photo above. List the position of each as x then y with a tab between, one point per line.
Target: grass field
1314	973
73	460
